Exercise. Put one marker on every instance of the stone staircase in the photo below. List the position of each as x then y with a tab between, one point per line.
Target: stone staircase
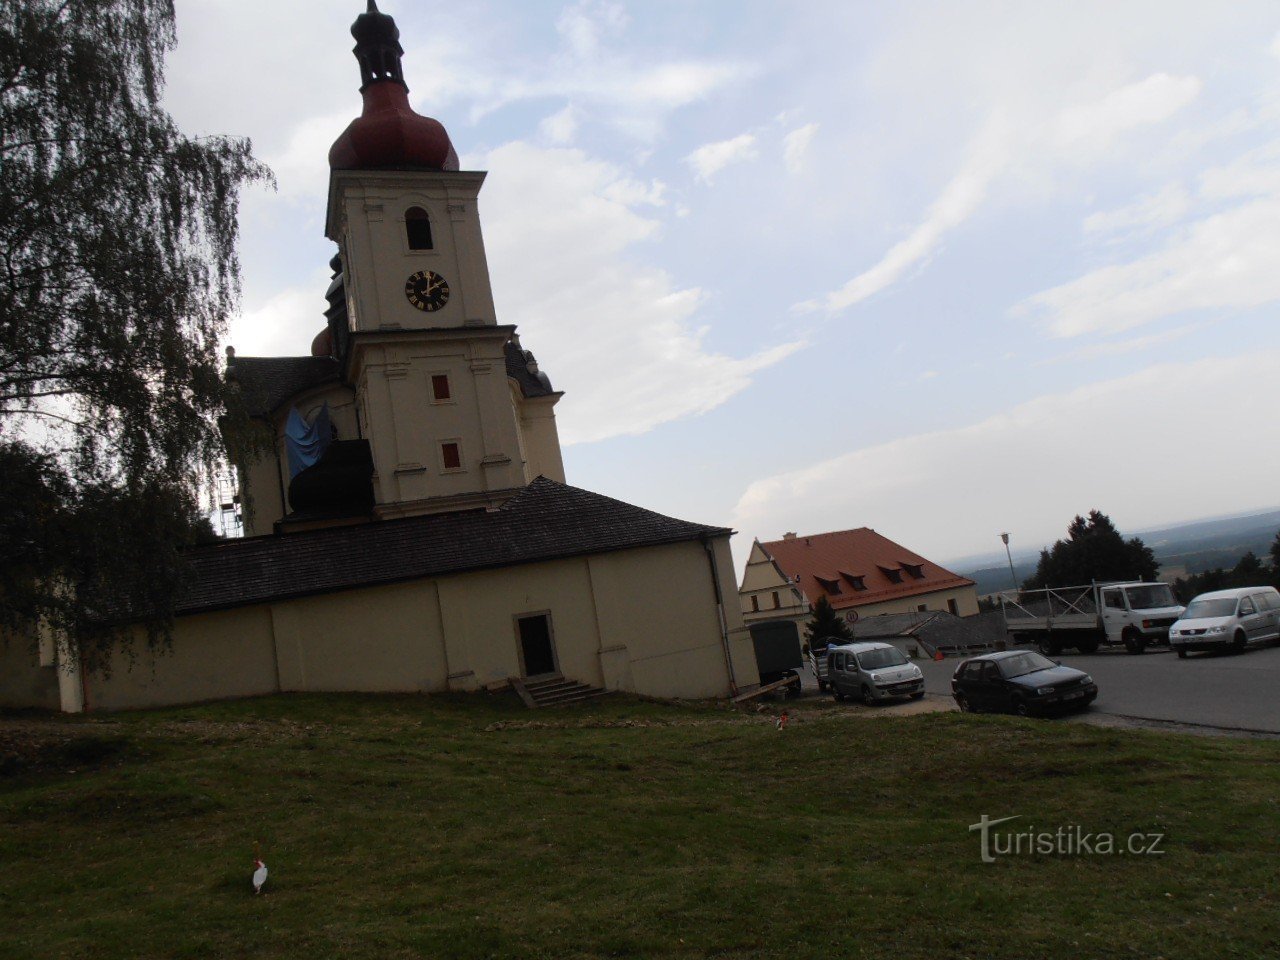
553	690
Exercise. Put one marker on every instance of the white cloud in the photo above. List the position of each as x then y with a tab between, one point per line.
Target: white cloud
284	324
613	331
796	144
1092	127
1081	132
1226	260
1025	471
709	159
987	156
560	127
1144	215
1274	49
1115	348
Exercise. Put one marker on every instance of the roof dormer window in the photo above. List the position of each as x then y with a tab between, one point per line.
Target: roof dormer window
829	584
855	580
893	573
916	570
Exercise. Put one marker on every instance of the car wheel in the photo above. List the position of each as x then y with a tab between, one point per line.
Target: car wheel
1087	646
822	686
835	692
1048	647
1239	644
1020	708
917	696
963	703
1182	654
867	696
1133	643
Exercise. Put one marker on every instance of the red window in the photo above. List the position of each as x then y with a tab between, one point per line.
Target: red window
440	386
452	456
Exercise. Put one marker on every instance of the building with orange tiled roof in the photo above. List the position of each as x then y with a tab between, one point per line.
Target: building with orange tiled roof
860	572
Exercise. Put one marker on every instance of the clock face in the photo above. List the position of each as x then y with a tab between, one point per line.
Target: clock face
427	291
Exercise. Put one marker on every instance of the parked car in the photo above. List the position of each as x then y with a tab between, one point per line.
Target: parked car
1227	620
872	672
1022	682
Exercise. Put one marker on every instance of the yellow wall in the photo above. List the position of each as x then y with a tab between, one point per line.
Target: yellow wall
641	620
26	678
213	656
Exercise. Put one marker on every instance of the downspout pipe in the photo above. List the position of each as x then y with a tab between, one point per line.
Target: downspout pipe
724	625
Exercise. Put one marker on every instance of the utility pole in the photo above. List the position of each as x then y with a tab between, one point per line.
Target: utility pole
1012	576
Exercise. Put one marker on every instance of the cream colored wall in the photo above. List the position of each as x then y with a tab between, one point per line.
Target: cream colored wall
966	600
539	438
762	580
213	656
384	639
406	426
27	679
639	620
366	219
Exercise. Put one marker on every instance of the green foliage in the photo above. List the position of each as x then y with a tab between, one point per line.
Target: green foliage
1093	550
824	625
117	242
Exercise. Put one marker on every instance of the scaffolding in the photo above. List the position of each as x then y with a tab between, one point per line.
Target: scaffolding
230	516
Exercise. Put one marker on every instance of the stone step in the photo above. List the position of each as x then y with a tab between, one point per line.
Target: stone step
554	691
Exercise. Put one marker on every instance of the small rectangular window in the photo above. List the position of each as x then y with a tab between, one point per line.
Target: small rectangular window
755	604
953	607
451	456
440	387
922	608
777	601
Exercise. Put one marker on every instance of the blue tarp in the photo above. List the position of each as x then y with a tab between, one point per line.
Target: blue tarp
305	442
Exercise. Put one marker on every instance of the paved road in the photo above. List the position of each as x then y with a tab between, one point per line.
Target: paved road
1240	691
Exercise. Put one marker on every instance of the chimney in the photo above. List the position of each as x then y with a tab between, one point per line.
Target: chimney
789	536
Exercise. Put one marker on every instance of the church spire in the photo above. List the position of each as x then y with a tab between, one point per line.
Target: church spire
378	47
388	134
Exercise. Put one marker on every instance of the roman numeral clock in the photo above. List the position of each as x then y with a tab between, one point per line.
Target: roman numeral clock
427	290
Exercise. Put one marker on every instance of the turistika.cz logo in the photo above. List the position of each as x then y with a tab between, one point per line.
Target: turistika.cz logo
1066	841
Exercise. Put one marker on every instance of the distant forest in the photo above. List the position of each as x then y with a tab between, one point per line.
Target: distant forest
1204	556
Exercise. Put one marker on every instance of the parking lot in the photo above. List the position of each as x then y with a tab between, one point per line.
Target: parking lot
1228	691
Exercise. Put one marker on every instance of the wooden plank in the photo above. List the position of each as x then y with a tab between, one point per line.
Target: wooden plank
752	694
518	686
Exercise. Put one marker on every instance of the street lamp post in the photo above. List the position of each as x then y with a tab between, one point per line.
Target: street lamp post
1012	576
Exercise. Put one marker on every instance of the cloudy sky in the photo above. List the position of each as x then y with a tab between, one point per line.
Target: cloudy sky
941	269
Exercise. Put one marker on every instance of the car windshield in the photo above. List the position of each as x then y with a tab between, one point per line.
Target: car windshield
1150	597
1023	663
1207	609
875	659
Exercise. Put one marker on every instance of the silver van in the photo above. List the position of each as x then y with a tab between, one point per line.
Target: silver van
1227	620
872	672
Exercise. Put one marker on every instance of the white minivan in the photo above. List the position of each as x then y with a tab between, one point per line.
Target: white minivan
1227	620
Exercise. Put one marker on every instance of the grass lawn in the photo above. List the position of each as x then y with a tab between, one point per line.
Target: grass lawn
470	827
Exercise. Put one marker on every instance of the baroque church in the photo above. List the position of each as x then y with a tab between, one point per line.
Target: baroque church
408	524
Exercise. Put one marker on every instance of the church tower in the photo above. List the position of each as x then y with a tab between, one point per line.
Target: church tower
414	374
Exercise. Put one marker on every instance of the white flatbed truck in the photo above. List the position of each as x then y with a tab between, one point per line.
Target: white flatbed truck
1135	614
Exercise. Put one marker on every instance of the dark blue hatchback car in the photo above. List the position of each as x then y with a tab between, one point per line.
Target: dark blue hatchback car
1022	682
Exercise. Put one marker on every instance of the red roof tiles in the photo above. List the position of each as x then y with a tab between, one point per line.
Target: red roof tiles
846	557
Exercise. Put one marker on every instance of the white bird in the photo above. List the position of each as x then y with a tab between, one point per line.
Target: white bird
259	875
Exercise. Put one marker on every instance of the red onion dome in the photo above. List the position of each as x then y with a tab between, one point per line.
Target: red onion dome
388	133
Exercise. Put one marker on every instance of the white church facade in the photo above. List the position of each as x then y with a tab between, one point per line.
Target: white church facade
408	524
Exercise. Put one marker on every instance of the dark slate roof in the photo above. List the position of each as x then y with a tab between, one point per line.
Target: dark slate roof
545	521
268	382
518	370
